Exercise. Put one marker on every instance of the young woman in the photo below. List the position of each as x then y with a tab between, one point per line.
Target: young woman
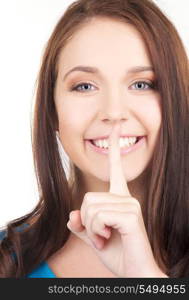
113	91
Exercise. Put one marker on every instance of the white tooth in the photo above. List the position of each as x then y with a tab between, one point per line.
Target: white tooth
134	140
97	143
126	142
131	141
100	143
105	143
123	142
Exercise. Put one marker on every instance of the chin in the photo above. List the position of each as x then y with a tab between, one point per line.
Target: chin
129	177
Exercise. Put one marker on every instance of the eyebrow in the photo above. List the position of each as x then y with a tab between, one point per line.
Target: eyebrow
94	70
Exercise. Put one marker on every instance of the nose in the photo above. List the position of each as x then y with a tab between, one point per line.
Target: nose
114	108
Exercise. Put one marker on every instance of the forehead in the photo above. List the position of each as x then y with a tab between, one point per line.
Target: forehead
105	42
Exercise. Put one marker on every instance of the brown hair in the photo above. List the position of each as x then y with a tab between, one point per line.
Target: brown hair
166	210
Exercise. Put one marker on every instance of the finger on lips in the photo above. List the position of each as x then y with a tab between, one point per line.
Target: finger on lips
118	184
84	219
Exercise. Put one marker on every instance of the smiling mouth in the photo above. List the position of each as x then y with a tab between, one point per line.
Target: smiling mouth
124	149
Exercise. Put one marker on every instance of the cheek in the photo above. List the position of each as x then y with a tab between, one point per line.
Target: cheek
74	118
154	121
72	128
70	118
152	116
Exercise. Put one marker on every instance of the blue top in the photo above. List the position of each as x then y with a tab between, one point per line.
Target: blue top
43	270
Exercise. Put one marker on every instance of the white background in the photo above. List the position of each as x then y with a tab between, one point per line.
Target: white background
25	26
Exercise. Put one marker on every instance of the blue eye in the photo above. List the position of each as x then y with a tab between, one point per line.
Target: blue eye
142	85
83	87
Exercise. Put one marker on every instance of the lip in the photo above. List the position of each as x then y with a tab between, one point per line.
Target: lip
123	151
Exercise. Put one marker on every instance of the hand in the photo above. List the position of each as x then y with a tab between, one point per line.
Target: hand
112	224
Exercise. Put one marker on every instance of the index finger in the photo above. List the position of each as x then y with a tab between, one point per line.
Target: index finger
118	183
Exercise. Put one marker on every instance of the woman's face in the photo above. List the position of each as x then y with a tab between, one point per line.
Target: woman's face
116	85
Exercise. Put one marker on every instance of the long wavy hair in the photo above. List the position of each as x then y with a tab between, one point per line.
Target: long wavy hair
166	209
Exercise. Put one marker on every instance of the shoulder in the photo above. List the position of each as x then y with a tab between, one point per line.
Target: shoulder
42	271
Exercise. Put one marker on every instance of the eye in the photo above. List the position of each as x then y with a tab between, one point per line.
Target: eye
82	87
143	85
